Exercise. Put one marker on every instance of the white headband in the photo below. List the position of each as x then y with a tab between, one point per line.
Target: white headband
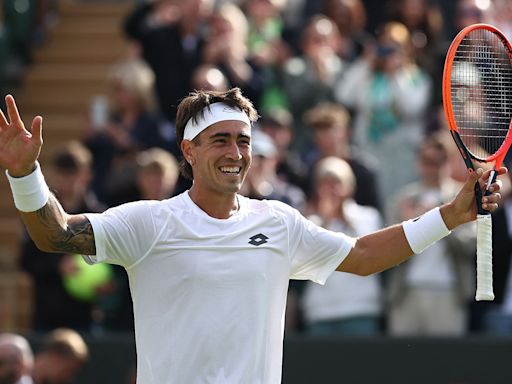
210	115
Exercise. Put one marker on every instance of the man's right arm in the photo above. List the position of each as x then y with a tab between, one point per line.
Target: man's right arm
53	230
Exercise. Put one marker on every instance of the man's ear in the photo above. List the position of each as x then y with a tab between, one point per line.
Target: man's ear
187	148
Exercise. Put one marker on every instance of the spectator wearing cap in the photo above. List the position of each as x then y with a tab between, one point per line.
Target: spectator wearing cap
330	126
262	181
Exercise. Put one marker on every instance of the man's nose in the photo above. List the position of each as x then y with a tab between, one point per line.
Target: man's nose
234	151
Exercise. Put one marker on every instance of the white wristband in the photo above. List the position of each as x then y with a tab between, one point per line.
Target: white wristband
425	230
30	192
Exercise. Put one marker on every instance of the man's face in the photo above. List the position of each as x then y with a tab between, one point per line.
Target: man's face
222	156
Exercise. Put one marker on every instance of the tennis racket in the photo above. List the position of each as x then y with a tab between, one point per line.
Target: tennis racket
477	100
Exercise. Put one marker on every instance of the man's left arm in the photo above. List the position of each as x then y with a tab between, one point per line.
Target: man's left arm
390	246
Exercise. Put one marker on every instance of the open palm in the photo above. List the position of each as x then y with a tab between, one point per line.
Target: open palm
19	148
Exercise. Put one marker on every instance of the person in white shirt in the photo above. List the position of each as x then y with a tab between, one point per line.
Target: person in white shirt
347	304
209	269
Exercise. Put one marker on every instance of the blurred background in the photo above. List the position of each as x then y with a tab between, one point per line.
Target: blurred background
351	133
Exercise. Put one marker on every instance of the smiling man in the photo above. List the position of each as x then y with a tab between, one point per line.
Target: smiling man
209	268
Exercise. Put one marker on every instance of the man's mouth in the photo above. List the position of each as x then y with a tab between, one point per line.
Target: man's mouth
230	170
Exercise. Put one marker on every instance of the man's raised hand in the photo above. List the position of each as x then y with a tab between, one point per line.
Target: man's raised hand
19	148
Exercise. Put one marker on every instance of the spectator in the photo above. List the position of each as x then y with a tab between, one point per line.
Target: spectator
16	359
499	14
209	78
262	180
267	48
347	304
169	36
226	48
278	123
69	178
389	95
308	79
428	296
424	22
350	17
131	125
156	174
61	358
265	29
466	13
330	124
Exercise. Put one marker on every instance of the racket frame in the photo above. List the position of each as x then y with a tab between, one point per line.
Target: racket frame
501	152
484	289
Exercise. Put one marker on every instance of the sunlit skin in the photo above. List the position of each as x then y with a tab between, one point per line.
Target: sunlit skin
220	158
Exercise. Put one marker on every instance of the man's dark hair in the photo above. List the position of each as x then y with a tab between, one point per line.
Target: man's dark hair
192	107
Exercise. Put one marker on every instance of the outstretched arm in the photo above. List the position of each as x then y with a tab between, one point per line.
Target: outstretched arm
51	228
388	247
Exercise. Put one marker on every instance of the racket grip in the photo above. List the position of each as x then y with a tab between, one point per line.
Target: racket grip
484	289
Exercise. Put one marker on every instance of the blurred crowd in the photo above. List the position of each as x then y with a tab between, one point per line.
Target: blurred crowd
59	358
351	133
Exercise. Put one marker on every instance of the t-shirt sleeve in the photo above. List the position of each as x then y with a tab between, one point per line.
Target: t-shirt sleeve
124	234
314	251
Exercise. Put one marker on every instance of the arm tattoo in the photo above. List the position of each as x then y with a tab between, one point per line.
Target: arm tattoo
66	234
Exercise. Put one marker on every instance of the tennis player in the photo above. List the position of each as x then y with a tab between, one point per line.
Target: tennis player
209	268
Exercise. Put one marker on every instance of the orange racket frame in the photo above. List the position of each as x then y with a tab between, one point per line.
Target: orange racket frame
500	154
484	273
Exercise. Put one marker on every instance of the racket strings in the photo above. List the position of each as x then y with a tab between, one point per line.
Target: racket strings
481	89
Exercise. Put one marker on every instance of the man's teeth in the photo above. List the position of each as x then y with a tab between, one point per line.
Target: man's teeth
230	169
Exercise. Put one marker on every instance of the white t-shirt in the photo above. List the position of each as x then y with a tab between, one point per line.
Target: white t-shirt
209	295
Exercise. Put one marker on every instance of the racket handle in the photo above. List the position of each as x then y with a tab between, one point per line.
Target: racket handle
484	258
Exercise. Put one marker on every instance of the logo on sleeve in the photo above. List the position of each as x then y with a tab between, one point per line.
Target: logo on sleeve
258	239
